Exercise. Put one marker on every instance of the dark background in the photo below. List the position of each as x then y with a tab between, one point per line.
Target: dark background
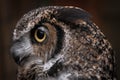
106	14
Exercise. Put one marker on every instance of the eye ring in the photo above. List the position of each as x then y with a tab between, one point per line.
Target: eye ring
40	35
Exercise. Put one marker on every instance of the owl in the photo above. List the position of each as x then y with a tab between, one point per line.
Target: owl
61	43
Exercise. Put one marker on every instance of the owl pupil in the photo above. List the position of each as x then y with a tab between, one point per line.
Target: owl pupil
40	34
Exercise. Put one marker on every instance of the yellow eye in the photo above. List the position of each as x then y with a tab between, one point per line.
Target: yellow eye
40	35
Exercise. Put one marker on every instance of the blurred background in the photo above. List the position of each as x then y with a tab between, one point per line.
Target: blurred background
106	14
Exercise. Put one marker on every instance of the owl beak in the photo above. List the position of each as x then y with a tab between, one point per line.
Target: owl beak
20	50
15	53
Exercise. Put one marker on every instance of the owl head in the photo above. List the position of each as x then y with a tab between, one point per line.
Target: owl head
58	39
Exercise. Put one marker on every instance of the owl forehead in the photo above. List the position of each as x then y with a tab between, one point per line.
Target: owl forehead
29	20
62	13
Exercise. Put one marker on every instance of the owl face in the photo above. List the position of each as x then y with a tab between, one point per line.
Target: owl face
42	33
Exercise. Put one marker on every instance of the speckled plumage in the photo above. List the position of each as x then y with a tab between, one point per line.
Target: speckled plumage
75	49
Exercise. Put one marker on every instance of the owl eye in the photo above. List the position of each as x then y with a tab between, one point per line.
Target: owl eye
40	34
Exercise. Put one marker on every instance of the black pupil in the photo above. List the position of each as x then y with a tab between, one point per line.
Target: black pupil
40	34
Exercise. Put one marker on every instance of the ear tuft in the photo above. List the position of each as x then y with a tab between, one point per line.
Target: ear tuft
71	15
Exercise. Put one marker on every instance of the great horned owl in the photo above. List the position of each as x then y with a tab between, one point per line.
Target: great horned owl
61	43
